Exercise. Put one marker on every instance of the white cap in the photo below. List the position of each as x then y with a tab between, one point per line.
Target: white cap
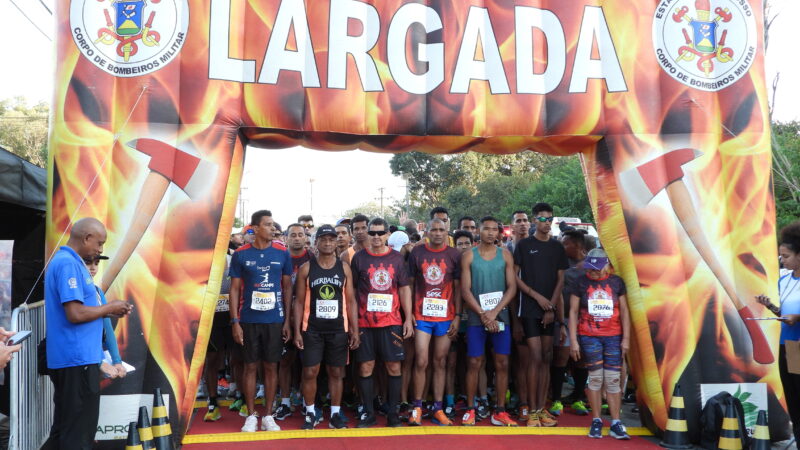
398	239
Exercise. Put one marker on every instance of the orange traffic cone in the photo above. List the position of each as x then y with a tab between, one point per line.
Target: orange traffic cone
145	432
162	432
677	433
133	442
761	434
730	436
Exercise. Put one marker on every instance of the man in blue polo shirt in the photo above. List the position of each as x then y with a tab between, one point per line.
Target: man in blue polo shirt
261	275
74	336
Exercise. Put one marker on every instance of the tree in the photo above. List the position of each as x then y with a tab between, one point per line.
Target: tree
23	129
372	209
786	171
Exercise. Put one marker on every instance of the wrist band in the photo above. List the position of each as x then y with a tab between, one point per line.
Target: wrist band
234	320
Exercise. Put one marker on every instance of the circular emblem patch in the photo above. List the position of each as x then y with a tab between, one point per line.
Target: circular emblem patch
433	274
129	38
381	279
705	44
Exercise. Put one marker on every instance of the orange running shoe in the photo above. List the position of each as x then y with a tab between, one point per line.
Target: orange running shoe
441	419
469	418
502	419
415	418
548	414
545	419
533	420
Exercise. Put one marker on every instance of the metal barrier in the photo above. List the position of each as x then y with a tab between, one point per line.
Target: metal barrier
31	413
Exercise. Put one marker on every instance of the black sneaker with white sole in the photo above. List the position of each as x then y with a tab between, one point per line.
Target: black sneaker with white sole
309	422
337	421
282	412
367	420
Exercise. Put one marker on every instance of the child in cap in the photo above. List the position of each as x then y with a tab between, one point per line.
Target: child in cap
599	334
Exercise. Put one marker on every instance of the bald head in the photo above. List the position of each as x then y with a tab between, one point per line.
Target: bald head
87	237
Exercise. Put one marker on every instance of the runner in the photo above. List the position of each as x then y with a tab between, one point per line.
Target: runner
458	346
488	286
358	225
263	271
599	334
440	212
520	226
325	314
343	236
540	263
434	273
296	238
469	225
382	288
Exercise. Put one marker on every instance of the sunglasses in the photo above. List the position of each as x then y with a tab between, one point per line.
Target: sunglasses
308	225
376	233
544	219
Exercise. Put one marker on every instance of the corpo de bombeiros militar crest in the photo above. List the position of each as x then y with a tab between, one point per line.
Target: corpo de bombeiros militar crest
705	44
129	38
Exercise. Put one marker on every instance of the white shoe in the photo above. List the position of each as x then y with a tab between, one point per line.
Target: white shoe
260	393
250	424
268	424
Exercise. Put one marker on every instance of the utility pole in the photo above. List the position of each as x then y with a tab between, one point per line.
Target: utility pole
381	198
311	195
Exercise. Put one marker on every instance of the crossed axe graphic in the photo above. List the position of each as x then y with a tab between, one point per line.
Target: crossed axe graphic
168	165
665	172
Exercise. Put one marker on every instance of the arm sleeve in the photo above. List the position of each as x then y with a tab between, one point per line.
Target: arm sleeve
288	268
563	262
517	255
402	273
234	271
69	284
109	338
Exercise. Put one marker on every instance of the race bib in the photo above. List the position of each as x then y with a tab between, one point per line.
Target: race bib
223	305
434	307
380	303
490	300
263	301
327	309
601	308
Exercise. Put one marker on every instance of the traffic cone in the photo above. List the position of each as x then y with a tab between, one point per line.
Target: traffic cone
162	432
145	432
677	433
761	435
730	436
133	442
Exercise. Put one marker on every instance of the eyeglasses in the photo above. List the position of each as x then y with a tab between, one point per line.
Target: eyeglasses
308	225
376	233
544	219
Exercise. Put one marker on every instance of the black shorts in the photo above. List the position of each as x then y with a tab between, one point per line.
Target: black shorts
221	339
533	327
263	342
328	347
385	343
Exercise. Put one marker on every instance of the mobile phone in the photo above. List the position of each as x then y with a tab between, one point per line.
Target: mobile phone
19	337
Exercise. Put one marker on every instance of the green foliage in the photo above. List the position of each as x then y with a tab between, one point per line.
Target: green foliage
750	409
237	223
23	129
786	171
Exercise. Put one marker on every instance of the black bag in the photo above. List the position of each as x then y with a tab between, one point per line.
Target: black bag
711	420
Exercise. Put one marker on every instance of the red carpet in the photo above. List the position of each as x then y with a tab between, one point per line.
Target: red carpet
570	433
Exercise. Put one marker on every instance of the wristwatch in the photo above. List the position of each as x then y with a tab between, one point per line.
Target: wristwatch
234	320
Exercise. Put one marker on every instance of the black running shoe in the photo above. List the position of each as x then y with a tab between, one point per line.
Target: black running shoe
450	411
282	412
337	421
393	420
309	422
367	420
482	410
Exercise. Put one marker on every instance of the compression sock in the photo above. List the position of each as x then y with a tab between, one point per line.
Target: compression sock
395	386
367	385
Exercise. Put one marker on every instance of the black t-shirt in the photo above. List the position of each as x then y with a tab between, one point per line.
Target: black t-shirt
571	277
539	263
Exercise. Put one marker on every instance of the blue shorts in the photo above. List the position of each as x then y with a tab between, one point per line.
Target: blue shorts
434	328
476	341
601	352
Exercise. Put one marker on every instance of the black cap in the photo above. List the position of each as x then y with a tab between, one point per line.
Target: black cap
325	230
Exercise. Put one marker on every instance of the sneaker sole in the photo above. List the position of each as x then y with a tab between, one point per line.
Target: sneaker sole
498	423
330	425
618	437
441	424
595	437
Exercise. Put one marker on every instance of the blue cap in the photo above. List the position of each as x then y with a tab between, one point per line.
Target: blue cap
597	259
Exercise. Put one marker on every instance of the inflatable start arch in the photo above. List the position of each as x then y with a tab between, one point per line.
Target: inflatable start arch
665	100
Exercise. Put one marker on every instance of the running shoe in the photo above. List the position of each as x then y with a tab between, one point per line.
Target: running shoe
482	410
427	411
596	430
212	415
251	424
393	420
618	431
450	411
547	413
236	404
604	409
202	392
545	419
415	418
405	411
337	421
268	424
243	412
367	420
309	422
469	418
282	412
502	419
440	418
579	408
318	417
556	408
524	413
533	420
260	391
